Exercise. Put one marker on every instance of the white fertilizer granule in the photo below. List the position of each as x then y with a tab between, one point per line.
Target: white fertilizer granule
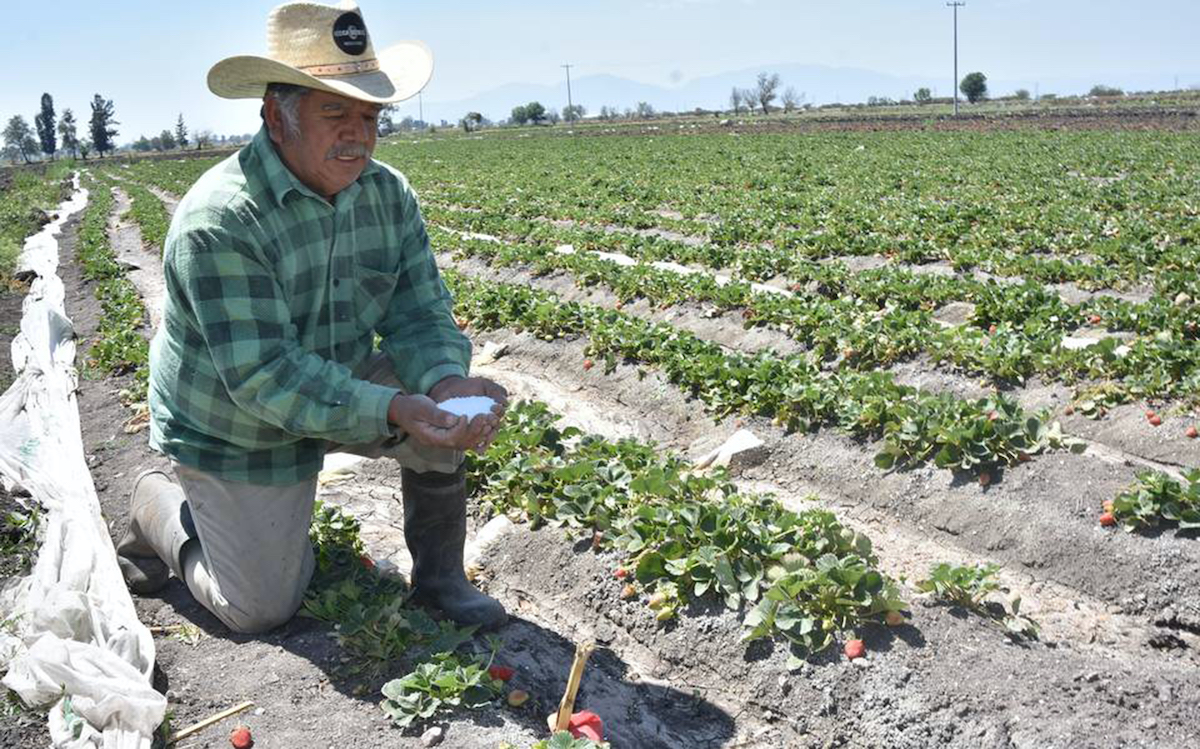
470	406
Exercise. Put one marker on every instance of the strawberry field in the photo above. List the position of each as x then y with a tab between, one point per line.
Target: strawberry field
969	514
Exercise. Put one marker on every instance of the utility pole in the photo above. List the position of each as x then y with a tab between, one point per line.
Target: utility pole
956	5
570	104
421	108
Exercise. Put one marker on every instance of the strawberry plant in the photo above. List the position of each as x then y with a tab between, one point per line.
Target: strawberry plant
969	586
1156	497
683	535
446	682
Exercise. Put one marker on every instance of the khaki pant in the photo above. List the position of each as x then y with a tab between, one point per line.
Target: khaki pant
256	560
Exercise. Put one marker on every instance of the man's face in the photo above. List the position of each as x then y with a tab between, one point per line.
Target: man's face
335	142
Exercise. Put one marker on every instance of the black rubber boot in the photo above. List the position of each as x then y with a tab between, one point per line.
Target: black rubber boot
435	529
160	523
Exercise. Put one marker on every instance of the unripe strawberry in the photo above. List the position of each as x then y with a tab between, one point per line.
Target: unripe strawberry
894	618
518	697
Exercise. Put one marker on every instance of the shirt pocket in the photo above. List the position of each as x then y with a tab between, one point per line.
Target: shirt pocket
373	290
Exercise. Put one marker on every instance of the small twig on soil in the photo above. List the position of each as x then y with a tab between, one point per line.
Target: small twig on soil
166	629
582	651
197	727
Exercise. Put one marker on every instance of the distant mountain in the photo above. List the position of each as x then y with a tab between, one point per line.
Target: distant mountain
818	83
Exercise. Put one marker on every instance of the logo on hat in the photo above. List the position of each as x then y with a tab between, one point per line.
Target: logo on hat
350	34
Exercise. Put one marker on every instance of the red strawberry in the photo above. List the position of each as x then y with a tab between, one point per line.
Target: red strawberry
1149	412
1155	420
503	673
985	478
1192	433
588	364
1023	457
240	738
620	573
367	562
992	330
1094	319
1069	410
1107	519
855	649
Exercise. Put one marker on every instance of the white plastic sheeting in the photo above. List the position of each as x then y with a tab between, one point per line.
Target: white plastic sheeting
72	639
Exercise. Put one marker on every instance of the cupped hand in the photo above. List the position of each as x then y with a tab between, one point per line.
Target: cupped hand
463	387
420	417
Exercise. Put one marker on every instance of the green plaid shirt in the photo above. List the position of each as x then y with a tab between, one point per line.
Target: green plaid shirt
273	301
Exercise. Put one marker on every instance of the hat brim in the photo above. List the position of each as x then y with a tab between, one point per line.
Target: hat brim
404	69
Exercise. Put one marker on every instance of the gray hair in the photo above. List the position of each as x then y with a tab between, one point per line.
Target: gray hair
288	97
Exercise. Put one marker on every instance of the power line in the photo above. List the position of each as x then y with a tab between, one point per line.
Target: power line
570	104
956	5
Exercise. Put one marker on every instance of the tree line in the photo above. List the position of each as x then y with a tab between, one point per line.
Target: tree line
51	134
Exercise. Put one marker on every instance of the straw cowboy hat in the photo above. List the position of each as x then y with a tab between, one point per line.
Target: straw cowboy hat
326	48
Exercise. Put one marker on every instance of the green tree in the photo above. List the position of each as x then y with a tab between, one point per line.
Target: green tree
923	96
143	144
1102	90
470	122
574	112
68	133
166	140
1022	94
45	123
519	115
181	132
18	139
85	147
974	87
535	112
102	123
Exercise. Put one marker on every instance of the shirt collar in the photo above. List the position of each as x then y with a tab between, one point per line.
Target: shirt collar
280	180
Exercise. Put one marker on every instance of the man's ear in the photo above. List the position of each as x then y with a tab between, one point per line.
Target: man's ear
273	117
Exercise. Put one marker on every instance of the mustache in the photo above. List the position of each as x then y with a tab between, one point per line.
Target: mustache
355	150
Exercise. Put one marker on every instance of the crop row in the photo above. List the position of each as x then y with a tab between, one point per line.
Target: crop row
174	176
915	425
21	202
1167	270
1017	330
150	214
119	347
1002	202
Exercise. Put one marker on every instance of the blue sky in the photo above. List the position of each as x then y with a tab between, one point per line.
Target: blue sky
151	58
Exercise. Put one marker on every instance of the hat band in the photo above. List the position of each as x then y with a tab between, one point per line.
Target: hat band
345	68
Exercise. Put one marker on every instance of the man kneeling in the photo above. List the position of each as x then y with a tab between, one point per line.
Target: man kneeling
282	265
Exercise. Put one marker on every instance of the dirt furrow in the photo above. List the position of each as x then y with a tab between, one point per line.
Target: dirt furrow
1124	434
1039	516
143	267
